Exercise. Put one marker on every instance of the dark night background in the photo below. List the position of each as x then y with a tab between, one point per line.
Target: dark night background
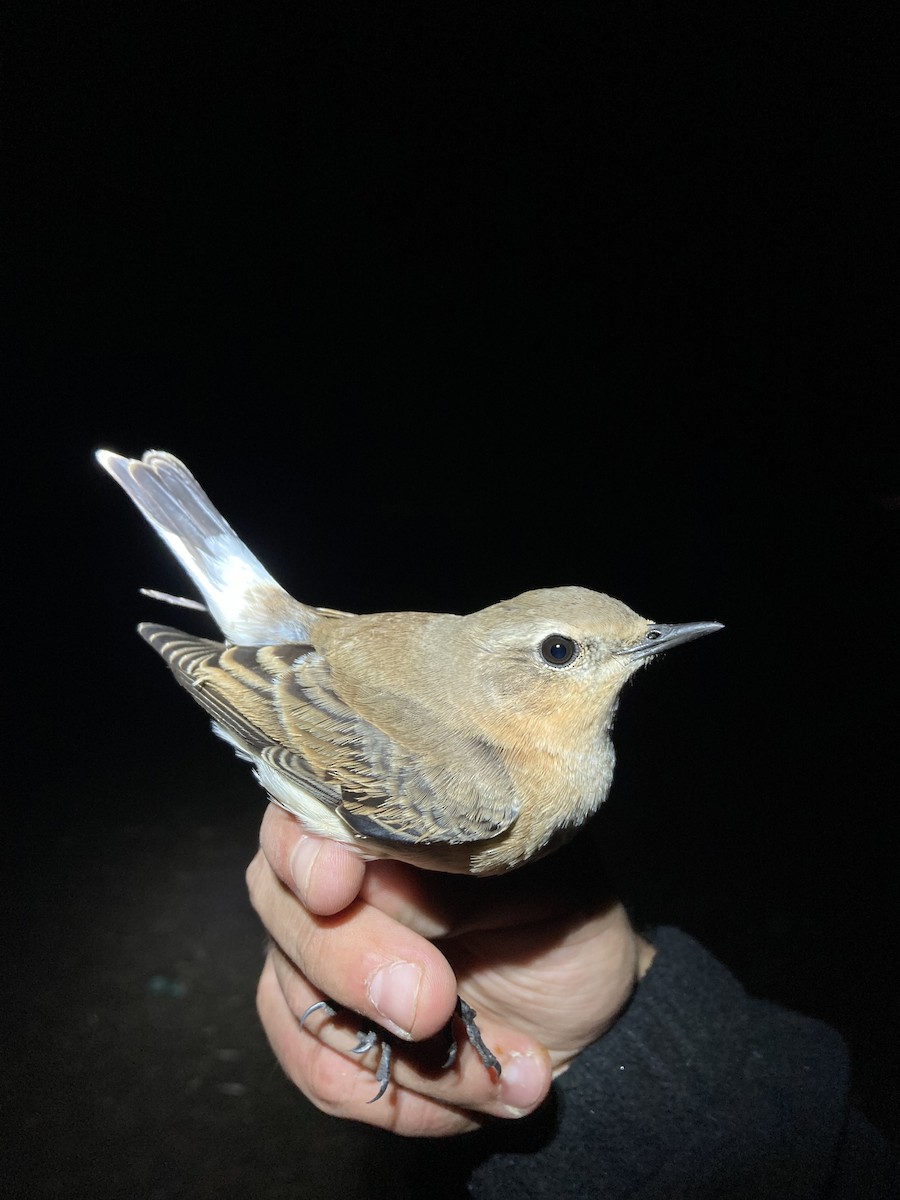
439	305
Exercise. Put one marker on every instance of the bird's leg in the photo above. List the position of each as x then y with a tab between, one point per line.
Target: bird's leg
373	1036
467	1015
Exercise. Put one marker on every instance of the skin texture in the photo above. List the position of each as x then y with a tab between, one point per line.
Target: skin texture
545	955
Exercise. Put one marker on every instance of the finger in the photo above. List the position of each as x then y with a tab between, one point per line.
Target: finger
360	958
325	875
467	1087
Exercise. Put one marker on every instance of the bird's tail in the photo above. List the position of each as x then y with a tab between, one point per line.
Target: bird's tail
246	602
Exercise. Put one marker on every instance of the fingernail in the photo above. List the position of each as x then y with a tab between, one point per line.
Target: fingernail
523	1083
394	991
301	862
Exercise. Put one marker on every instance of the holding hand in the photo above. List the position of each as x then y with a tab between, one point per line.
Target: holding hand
544	955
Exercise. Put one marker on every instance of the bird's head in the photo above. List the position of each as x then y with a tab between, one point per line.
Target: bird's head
557	658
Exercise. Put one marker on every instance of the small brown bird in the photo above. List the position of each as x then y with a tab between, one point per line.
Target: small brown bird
457	743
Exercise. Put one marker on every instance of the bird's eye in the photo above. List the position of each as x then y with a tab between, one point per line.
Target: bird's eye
558	650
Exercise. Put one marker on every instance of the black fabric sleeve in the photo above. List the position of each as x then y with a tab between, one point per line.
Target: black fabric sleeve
698	1090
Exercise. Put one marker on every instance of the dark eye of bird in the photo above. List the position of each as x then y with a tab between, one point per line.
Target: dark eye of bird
558	650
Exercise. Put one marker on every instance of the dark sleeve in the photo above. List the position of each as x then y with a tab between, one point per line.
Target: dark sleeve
698	1090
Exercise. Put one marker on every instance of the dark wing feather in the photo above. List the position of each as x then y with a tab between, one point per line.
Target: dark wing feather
418	781
236	690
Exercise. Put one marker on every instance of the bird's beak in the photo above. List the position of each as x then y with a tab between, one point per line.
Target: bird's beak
663	637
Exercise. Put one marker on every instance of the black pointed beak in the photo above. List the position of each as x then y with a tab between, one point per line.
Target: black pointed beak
663	637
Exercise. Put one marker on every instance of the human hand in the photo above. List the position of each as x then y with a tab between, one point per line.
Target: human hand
544	955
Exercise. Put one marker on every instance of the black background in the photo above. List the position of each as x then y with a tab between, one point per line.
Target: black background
440	305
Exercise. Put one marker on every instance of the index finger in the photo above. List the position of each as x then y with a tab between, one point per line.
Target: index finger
326	876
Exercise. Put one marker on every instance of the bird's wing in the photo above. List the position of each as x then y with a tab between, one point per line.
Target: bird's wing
424	783
405	774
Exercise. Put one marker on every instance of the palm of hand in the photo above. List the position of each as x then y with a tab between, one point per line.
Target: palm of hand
562	980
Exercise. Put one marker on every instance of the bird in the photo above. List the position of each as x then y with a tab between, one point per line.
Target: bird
468	744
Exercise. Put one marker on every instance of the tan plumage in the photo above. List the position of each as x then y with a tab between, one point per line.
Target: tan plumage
456	743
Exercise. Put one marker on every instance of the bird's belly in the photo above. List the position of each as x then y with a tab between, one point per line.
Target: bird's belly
319	818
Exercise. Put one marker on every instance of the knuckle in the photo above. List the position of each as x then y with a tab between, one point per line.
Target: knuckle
328	1080
305	950
253	878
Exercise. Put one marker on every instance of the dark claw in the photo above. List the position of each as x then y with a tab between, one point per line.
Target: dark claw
319	1004
365	1040
452	1051
383	1074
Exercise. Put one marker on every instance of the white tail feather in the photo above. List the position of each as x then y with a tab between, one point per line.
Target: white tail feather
248	605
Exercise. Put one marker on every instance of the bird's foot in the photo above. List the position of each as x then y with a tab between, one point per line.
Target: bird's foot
374	1036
